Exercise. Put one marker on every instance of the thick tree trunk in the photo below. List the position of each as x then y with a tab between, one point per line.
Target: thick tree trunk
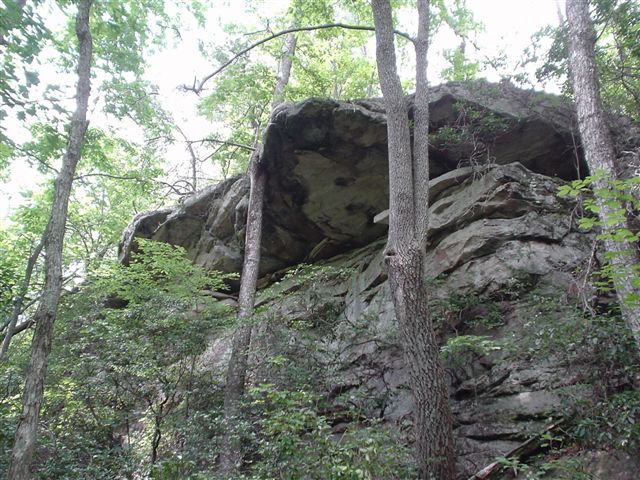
404	254
45	315
599	151
231	454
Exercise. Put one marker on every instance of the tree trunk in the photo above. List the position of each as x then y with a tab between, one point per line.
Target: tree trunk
19	300
405	251
231	454
284	70
157	435
599	152
45	315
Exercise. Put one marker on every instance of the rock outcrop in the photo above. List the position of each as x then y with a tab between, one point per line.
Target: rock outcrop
328	172
505	261
501	242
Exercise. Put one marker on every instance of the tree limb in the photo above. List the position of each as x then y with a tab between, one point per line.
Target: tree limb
223	142
18	303
197	87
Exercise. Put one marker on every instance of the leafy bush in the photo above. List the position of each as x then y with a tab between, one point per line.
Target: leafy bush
122	381
295	441
620	197
612	423
479	345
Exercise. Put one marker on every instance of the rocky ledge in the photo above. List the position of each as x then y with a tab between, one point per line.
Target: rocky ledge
328	172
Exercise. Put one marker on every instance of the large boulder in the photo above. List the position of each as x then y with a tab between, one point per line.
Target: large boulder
328	172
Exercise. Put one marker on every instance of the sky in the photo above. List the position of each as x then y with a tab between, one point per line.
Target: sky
508	26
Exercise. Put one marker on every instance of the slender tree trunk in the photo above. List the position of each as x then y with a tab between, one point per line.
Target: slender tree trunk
421	127
600	155
231	454
45	316
405	251
284	70
157	435
19	301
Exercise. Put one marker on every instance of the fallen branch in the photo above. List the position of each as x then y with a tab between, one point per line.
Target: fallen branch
525	449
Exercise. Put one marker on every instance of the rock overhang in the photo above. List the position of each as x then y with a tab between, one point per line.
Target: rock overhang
327	168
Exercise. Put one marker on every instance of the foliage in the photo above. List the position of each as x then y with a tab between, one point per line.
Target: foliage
621	199
544	468
11	375
15	246
122	380
115	178
460	20
308	286
460	69
23	34
617	54
157	269
475	344
127	395
468	311
611	423
240	99
295	441
602	341
327	63
474	131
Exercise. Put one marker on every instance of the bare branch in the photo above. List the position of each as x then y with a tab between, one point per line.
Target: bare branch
223	142
108	175
197	87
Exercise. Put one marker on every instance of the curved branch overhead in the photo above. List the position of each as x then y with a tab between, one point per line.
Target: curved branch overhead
198	86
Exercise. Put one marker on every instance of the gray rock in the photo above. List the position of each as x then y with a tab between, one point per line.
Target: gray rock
327	164
497	230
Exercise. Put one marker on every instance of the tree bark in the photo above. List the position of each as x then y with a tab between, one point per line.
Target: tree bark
600	155
405	250
17	305
421	127
24	446
284	70
231	454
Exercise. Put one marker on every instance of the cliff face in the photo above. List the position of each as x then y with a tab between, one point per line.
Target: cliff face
501	260
506	264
